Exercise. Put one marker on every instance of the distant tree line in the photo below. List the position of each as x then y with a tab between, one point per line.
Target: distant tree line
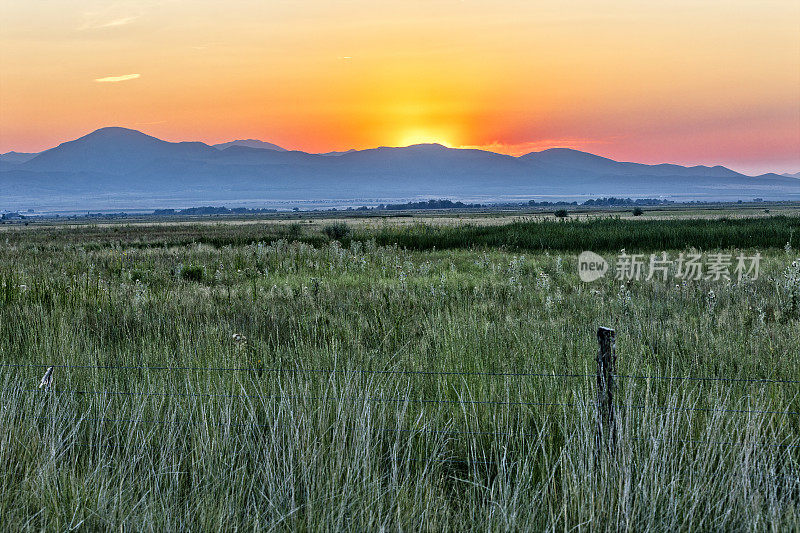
612	201
211	210
430	204
604	202
534	203
437	204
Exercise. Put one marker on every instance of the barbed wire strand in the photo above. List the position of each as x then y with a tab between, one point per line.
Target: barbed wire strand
701	378
423	430
307	397
380	399
706	409
397	372
303	370
432	459
721	443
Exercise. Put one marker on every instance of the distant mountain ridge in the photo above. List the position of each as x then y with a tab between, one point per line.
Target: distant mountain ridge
18	157
119	167
250	143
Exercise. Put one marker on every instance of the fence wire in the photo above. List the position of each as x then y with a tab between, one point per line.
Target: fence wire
257	369
407	399
423	430
402	400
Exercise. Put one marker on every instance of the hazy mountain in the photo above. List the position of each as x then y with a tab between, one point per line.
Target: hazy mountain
114	151
795	175
568	161
250	143
115	168
337	153
17	157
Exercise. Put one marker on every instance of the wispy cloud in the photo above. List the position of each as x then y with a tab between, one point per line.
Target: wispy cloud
114	79
118	22
111	16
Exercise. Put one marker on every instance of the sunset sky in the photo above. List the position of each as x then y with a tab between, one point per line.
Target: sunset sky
690	82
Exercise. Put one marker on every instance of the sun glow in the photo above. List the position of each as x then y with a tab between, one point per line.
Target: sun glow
423	136
324	76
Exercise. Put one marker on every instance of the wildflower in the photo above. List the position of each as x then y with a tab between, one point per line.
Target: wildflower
711	299
239	339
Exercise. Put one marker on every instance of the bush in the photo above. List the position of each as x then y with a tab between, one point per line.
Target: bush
561	213
637	212
294	231
337	231
192	273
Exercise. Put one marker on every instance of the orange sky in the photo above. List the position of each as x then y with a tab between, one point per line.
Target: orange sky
707	81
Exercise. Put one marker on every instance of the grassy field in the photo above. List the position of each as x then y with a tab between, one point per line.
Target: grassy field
375	219
430	377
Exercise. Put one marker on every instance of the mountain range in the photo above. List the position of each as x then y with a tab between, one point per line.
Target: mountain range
250	143
118	168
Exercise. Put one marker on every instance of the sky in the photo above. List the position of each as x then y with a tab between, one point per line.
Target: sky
689	82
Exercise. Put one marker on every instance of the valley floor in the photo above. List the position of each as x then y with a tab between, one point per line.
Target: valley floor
271	376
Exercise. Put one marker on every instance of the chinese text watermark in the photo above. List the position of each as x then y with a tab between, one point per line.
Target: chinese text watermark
685	266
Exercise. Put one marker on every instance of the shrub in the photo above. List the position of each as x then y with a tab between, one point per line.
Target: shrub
561	213
337	231
192	273
637	211
294	231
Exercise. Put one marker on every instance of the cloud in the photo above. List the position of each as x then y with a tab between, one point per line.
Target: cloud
113	79
112	16
117	22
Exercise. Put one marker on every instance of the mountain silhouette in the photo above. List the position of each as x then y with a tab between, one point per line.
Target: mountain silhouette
117	151
572	160
250	143
123	168
17	157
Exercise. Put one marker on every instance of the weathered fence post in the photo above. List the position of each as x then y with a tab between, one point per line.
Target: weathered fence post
606	372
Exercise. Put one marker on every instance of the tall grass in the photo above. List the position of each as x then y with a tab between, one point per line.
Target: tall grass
599	234
290	432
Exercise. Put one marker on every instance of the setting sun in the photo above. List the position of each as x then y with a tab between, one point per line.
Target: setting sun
362	251
333	76
423	136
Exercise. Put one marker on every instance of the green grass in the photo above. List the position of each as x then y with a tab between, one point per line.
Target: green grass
279	441
599	234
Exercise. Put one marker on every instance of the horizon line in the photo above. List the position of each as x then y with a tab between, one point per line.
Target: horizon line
482	148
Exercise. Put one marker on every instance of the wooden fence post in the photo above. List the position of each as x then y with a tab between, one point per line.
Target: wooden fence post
606	372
